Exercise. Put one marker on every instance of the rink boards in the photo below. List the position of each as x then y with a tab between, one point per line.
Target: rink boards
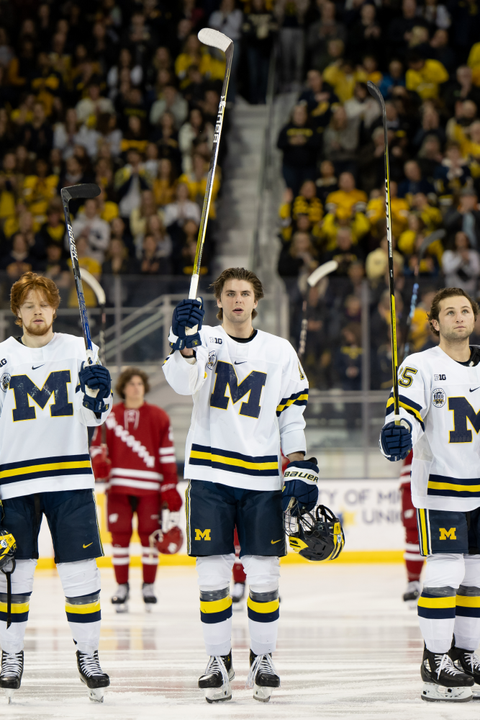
370	511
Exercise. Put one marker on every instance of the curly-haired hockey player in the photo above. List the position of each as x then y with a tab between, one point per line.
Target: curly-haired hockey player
249	393
49	396
440	417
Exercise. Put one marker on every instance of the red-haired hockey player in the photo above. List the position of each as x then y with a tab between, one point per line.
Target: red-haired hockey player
142	478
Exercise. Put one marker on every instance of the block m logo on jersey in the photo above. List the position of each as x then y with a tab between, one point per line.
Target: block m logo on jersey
448	534
55	384
202	534
252	384
462	411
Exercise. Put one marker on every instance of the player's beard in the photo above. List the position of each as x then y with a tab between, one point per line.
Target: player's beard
37	330
453	337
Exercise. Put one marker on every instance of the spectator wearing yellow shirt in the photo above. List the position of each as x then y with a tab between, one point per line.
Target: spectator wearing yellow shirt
474	63
196	182
376	264
347	194
410	241
8	186
39	189
424	76
327	231
399	208
165	183
342	75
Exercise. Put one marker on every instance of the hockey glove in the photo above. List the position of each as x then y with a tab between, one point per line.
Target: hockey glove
300	484
396	440
102	466
96	384
171	497
186	324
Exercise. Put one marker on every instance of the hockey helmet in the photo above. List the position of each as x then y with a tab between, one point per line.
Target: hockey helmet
8	547
315	536
169	538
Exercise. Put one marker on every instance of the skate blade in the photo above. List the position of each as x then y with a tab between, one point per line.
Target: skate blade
96	694
9	692
262	694
123	608
438	693
221	694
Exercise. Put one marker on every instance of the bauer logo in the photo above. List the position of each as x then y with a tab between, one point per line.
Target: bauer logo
439	377
438	398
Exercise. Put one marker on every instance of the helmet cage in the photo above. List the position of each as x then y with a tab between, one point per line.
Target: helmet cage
316	536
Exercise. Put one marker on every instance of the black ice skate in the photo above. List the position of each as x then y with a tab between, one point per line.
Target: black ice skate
120	598
11	673
92	675
216	678
442	680
468	662
262	676
412	593
149	597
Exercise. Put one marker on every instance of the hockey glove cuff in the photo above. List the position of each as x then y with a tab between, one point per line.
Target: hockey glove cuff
300	484
396	440
177	343
171	497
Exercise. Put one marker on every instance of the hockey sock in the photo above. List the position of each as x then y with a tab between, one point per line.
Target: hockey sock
436	615
81	585
412	557
149	563
238	572
11	639
120	562
216	617
467	620
263	612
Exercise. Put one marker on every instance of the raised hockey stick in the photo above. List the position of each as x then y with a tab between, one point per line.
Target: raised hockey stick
427	241
216	39
375	92
312	280
79	192
101	300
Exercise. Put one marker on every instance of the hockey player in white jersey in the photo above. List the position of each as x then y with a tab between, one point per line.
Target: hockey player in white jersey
439	394
49	396
249	393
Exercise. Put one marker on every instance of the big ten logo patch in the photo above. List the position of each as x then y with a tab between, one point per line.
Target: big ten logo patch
441	376
438	398
202	534
450	534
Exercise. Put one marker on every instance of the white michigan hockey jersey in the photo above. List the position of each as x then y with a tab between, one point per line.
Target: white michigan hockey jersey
249	398
43	423
441	399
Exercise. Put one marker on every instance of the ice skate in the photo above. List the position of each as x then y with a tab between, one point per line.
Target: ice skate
262	676
216	678
412	593
238	591
149	597
11	673
469	663
92	675
120	598
442	680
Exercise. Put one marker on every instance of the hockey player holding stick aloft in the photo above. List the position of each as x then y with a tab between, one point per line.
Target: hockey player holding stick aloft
249	393
440	417
49	396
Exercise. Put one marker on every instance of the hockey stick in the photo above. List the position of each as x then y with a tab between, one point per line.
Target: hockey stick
215	39
101	300
435	235
79	192
312	280
375	92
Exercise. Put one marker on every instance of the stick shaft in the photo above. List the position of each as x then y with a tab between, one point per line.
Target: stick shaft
192	294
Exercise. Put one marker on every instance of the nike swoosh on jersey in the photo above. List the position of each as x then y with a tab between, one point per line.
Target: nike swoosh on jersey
473	389
37	366
85	546
239	363
274	542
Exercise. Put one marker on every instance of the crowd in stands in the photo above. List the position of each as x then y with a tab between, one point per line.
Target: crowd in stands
425	58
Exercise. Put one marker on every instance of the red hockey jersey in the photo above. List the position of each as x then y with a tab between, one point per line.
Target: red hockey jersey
140	448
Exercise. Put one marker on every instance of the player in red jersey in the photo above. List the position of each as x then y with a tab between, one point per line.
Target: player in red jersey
139	464
412	557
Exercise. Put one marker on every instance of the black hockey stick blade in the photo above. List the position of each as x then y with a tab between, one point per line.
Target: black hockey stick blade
435	235
84	191
374	90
